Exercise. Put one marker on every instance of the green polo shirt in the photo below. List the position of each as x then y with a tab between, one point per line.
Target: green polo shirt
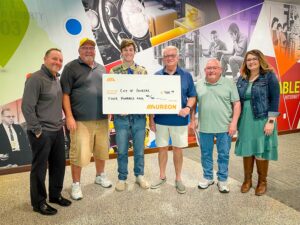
215	104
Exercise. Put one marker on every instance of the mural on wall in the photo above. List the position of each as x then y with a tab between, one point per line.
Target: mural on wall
200	29
111	21
284	27
14	144
12	31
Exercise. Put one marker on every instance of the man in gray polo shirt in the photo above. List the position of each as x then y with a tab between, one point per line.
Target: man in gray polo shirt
219	109
81	83
42	109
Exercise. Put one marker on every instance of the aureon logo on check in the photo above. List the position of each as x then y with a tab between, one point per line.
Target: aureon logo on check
110	79
161	106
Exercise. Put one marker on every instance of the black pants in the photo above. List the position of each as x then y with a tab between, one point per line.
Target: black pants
49	147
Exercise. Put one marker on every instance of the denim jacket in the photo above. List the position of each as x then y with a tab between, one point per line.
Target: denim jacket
264	95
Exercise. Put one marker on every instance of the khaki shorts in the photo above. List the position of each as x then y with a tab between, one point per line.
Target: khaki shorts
90	138
178	134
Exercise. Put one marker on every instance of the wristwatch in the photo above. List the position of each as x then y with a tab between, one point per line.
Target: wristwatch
189	107
271	121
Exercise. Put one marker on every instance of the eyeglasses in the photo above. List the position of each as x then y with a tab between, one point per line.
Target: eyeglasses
85	48
212	68
252	59
169	56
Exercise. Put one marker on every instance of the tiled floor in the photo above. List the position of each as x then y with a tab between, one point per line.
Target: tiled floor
284	174
164	205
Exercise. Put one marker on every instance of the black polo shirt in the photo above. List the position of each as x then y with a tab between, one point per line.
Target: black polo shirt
84	86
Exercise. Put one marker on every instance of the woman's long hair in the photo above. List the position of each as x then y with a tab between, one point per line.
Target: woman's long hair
264	67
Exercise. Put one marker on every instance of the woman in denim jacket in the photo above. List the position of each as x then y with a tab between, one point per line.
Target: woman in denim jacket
258	89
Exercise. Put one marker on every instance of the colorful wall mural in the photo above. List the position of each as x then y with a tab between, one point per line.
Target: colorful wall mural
197	27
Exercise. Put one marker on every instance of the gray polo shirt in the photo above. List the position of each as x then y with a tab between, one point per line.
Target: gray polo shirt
42	101
84	86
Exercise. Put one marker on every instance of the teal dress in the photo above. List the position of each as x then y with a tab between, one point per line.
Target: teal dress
251	138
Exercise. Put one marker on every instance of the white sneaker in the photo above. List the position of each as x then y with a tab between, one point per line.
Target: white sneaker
121	185
140	180
204	183
103	181
223	188
76	193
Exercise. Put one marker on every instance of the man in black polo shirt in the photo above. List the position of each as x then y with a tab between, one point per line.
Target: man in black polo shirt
81	83
42	109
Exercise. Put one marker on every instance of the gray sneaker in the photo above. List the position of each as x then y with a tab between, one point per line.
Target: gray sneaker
180	188
158	183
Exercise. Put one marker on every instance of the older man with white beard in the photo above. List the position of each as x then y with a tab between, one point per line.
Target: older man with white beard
81	83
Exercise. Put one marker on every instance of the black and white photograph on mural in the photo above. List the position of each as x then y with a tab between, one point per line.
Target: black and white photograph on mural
15	149
189	52
227	40
228	44
284	23
139	20
111	21
197	47
14	145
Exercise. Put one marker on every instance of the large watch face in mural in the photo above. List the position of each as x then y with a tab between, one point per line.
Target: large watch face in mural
134	18
113	20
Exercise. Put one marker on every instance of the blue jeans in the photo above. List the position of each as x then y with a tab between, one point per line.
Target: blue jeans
130	126
223	148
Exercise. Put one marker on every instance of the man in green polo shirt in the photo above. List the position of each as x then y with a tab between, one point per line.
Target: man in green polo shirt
218	112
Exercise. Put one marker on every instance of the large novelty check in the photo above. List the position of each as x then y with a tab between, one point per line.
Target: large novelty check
141	94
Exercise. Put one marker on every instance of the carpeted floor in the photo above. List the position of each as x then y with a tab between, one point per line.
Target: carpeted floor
137	206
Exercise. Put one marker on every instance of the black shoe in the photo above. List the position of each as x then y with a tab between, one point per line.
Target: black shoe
60	201
45	209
